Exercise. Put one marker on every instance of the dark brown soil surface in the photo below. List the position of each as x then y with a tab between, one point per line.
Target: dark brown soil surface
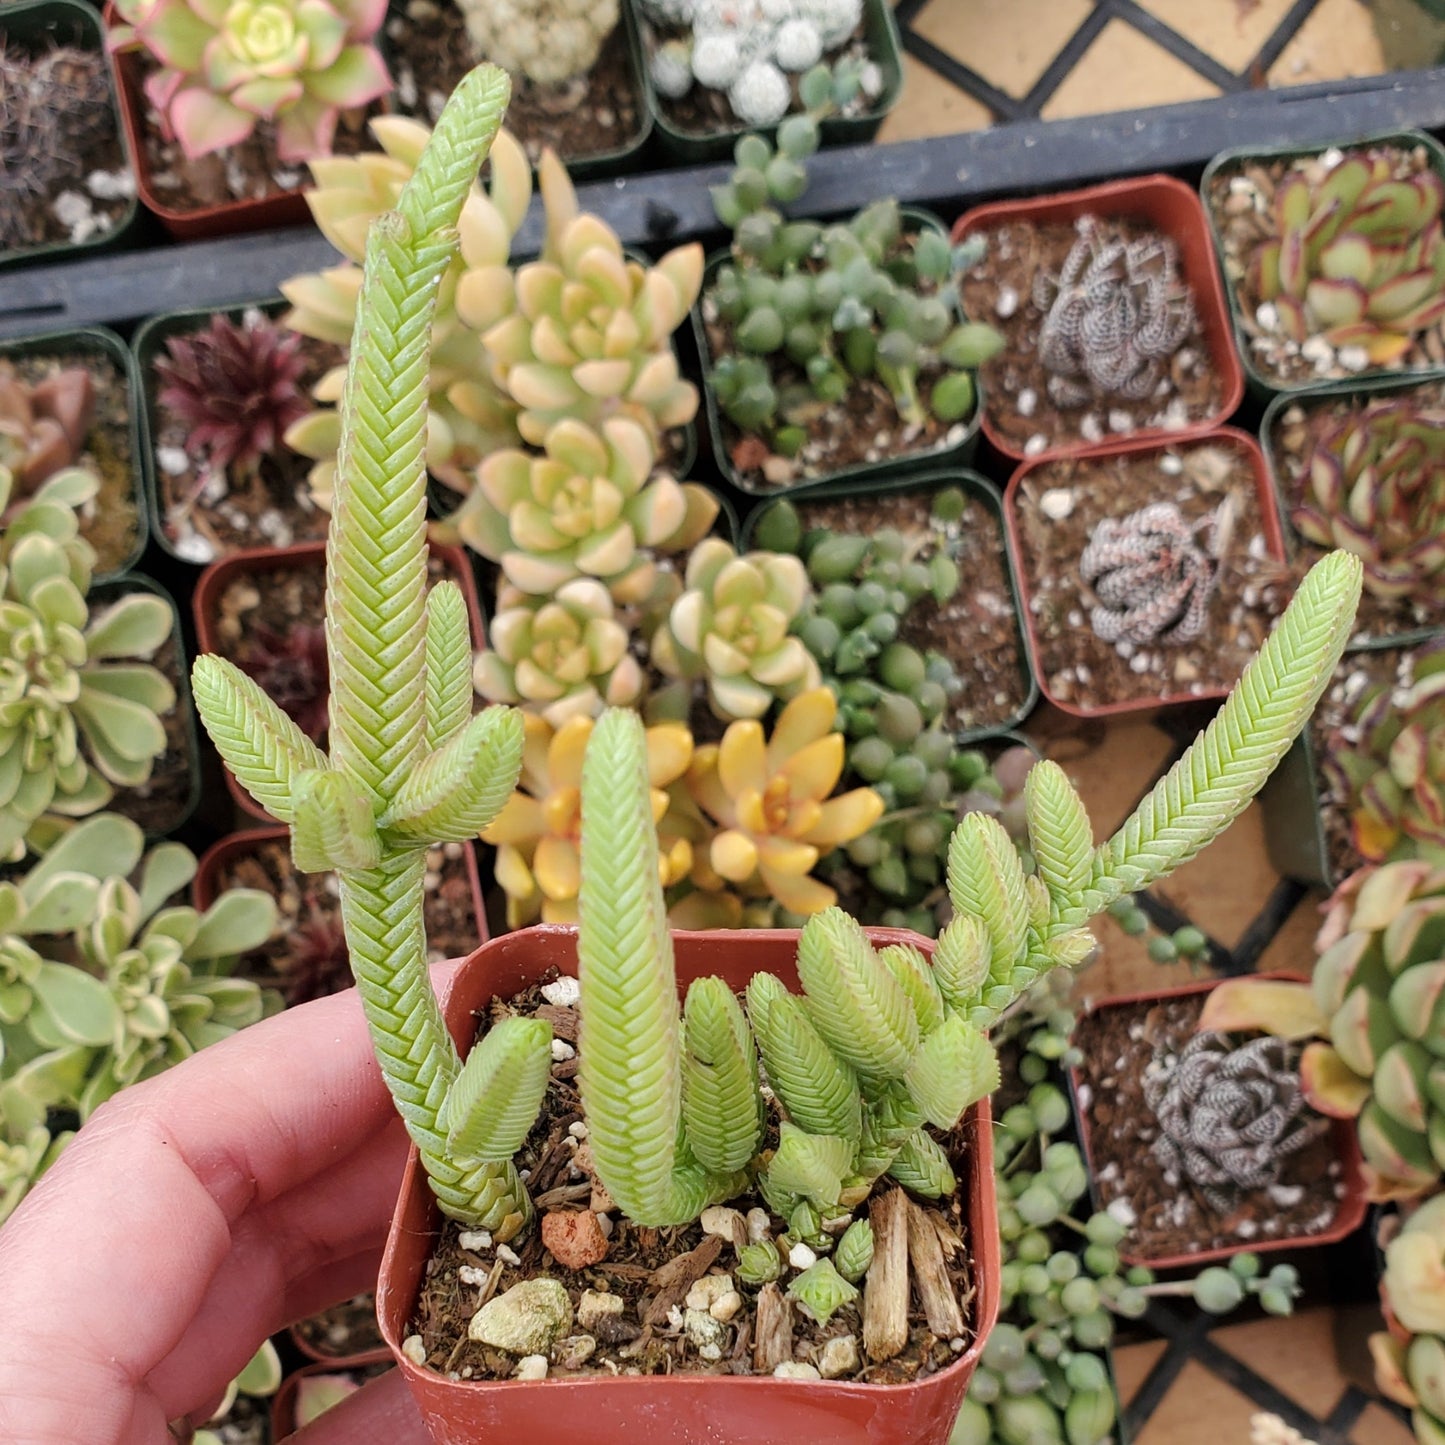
345	1329
306	955
160	805
591	115
86	196
999	290
247	1422
1296	434
704	112
109	521
206	515
977	629
1075	665
246	172
647	1337
1120	1044
1240	199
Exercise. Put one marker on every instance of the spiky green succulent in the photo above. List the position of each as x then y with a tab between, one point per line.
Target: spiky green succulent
79	712
593	506
1374	484
1356	255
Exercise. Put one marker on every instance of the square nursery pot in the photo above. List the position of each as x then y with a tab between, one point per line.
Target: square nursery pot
36	26
286	1400
686	1409
683	147
310	556
955	448
1166	206
161	811
1264	384
114	444
1025	567
1388	632
925	484
148	343
1352	1205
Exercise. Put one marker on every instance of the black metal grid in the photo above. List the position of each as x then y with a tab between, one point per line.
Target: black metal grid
1006	107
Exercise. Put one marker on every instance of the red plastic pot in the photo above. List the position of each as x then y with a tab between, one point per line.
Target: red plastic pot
213	582
681	1409
1269	517
1352	1207
283	1402
1174	210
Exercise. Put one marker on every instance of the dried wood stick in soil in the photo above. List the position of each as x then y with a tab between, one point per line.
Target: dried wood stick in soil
772	1330
675	1278
935	1290
885	1297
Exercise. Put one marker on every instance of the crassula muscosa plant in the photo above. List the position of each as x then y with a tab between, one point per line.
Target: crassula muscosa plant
225	66
674	1114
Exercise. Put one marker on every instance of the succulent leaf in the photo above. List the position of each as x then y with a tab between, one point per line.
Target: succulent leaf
494	1099
721	1105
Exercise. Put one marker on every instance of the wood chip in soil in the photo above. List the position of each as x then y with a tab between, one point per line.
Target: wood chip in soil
1240	199
594	114
1173	1217
999	291
306	955
977	629
206	515
1075	665
1296	433
636	1268
109	521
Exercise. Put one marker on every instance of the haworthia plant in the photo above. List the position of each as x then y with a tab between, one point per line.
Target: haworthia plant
409	765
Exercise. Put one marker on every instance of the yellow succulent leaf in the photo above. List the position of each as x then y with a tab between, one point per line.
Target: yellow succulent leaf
523	911
733	856
603	378
559	910
742	759
669	753
520	821
844	818
706	787
752	817
581	235
654	380
1388	347
814	769
564	757
484	298
674	862
1390	1376
683	267
402	138
605	272
722	658
783	855
513	875
808	717
798	893
634	449
511	180
803	815
536	740
551	345
557	868
706	908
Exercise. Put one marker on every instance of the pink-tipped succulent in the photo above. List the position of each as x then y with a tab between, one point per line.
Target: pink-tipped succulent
1390	768
44	426
226	65
1357	256
1375	486
236	387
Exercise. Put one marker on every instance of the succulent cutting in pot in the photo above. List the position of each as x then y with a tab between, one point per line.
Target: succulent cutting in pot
889	1049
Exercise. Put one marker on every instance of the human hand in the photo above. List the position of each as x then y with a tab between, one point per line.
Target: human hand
194	1215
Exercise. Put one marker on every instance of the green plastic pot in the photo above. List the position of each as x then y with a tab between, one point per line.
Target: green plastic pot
1294	828
1317	396
102	343
38	23
1262	386
980	489
690	148
625	159
949	454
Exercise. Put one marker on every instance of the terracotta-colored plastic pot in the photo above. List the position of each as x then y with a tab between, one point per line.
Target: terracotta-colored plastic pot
213	582
1269	518
1352	1206
206	888
1168	207
283	1402
680	1409
229	218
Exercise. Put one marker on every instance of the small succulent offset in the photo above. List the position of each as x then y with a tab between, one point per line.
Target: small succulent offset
1151	578
291	669
1229	1115
809	310
1375	1016
674	1110
43	425
235	386
545	41
222	70
1374	484
1356	255
1113	317
79	712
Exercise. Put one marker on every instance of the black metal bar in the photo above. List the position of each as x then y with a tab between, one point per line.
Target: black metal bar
1284	32
1267	1396
1067	58
1167	38
1282	901
965	77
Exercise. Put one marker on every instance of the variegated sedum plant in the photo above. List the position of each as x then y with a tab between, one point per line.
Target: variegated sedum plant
885	1042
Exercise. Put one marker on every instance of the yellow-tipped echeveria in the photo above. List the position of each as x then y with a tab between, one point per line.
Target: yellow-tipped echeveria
731	626
563	657
537	834
591	333
225	65
467	417
591	507
771	800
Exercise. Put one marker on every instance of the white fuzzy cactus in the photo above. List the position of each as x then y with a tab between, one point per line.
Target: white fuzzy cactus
797	45
547	41
836	19
760	96
672	69
717	60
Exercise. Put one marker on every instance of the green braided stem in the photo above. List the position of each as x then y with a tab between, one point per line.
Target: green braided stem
418	1060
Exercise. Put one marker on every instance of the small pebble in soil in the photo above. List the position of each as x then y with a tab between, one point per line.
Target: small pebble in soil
413	1348
563	992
